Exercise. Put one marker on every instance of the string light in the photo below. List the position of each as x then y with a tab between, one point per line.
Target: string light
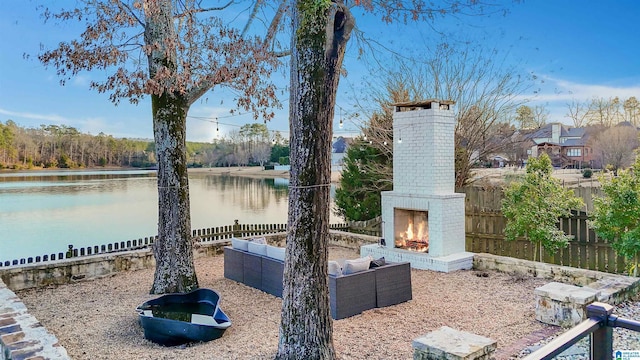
399	137
341	123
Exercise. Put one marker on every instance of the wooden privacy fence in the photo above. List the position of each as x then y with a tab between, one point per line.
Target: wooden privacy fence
200	235
485	226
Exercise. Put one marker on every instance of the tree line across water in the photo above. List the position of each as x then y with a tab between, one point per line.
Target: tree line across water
61	146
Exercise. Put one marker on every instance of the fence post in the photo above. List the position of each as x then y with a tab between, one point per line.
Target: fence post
601	339
236	229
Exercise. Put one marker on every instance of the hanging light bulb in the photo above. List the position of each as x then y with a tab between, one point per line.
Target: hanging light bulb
399	137
385	142
399	140
341	124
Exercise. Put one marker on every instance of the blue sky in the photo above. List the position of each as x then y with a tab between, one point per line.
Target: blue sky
582	49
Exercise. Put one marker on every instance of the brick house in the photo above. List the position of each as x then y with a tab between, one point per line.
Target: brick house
566	146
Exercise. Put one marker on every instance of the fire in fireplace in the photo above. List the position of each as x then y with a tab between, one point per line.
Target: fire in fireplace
411	230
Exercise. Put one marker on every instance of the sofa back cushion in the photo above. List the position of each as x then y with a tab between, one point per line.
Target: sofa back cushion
275	252
334	268
260	249
239	244
356	265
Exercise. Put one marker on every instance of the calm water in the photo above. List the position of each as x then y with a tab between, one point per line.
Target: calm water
43	212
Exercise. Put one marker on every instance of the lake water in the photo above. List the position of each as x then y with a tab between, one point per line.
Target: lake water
43	212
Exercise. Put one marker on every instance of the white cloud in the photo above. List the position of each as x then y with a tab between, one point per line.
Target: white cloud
555	93
34	116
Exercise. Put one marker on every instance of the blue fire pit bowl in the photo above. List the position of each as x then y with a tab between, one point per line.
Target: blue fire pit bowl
176	319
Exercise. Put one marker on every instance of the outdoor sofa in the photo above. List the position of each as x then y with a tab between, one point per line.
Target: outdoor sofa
261	266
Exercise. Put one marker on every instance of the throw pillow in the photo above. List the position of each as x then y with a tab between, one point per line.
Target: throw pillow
260	249
354	266
260	240
334	268
275	252
239	244
377	263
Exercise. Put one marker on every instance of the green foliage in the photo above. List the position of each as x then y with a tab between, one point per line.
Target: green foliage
313	16
587	173
278	153
616	215
358	197
284	160
534	205
65	162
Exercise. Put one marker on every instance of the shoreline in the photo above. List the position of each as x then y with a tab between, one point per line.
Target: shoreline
257	172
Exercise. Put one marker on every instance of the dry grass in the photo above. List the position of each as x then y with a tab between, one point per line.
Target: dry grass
96	319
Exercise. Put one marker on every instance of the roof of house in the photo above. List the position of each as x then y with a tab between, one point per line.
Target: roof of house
575	142
565	131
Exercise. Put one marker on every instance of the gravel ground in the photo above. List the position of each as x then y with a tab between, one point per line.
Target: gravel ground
96	319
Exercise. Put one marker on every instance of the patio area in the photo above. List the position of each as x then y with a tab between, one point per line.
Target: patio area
96	319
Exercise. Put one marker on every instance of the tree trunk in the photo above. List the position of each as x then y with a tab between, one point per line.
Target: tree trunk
318	45
175	271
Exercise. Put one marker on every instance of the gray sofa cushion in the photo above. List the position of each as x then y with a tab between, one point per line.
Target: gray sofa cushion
260	249
275	252
239	244
356	265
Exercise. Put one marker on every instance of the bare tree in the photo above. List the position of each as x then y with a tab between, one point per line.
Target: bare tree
175	52
261	152
632	111
540	115
614	147
577	112
485	91
604	112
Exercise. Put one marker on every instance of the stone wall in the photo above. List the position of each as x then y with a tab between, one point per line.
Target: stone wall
612	288
84	268
21	335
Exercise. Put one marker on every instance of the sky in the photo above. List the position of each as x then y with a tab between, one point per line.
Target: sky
577	49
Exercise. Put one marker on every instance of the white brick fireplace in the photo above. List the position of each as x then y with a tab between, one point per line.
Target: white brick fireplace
423	220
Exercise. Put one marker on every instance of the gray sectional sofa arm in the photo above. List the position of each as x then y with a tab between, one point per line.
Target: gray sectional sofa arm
393	284
352	294
256	271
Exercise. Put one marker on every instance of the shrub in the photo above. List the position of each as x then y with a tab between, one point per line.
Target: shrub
587	173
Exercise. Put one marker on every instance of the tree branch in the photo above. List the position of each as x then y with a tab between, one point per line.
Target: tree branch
197	11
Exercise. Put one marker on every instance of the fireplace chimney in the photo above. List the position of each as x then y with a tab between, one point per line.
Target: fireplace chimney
423	196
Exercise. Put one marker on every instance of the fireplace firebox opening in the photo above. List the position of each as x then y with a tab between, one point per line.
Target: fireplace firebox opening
411	229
